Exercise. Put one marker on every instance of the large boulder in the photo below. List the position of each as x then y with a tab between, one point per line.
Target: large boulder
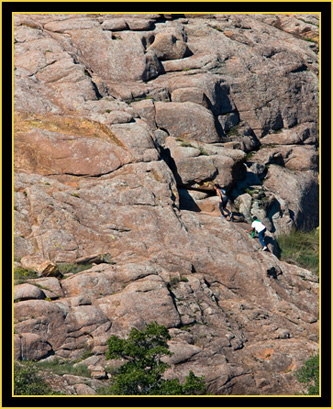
41	266
132	308
293	157
299	193
29	346
196	163
118	58
186	120
168	47
27	291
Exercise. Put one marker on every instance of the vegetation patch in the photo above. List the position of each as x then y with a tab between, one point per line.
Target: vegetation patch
21	275
308	374
186	145
73	268
234	131
175	280
142	374
27	381
301	248
64	367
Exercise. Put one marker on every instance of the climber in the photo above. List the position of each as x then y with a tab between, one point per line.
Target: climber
223	201
260	228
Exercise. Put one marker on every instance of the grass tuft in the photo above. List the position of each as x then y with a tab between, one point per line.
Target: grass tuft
301	248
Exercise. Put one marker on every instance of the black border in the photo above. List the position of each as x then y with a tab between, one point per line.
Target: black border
168	7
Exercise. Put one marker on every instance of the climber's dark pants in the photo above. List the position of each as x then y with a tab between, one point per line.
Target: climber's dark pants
262	237
222	206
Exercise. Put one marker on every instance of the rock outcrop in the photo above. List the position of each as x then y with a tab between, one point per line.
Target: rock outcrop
123	123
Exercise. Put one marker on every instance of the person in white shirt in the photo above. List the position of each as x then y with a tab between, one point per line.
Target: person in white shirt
260	229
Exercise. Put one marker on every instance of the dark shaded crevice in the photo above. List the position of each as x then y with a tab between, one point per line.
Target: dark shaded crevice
173	298
95	88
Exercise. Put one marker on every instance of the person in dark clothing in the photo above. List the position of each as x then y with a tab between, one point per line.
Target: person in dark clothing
223	201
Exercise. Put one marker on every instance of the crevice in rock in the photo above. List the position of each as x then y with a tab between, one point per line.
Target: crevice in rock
42	68
173	298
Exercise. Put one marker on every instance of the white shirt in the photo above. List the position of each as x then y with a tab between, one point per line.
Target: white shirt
258	226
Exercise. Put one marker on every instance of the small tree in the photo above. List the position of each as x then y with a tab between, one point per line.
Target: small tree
142	374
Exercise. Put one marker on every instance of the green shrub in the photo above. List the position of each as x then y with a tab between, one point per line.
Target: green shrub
186	145
202	151
301	248
233	131
142	374
67	268
23	274
28	382
309	375
87	353
174	280
64	367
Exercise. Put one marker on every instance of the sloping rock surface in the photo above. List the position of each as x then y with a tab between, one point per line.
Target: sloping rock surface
122	125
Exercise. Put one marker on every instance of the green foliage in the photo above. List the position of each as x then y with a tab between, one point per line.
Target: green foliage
74	268
311	40
142	374
174	280
66	268
64	367
186	144
309	375
233	131
301	248
23	274
87	353
194	385
202	151
28	382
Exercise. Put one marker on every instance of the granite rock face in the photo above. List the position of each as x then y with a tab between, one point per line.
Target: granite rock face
123	123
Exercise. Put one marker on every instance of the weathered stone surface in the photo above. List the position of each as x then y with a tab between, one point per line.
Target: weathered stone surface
193	94
32	347
299	193
182	352
51	286
116	24
138	304
41	266
168	47
190	63
301	134
68	25
186	120
24	292
197	163
83	389
122	125
119	58
292	157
